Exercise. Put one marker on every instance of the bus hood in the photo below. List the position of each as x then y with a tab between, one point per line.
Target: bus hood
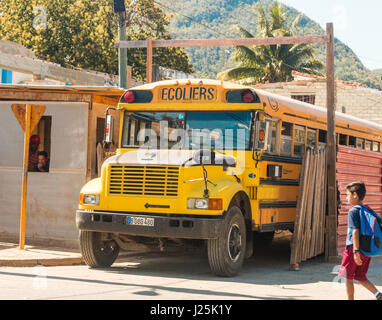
163	157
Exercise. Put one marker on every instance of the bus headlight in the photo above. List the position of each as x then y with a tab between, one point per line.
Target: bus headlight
92	199
205	203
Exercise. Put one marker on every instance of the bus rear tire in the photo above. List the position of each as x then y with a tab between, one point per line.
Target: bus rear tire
226	253
96	252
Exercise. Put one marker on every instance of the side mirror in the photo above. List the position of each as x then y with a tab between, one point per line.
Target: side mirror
108	137
261	135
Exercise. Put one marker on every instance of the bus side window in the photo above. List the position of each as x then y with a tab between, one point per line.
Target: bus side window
360	143
311	138
286	139
343	140
368	145
273	139
352	141
376	146
321	138
299	141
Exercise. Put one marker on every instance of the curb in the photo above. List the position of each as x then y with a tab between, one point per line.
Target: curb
52	262
41	262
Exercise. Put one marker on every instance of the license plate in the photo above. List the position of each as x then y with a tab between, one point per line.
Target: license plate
140	221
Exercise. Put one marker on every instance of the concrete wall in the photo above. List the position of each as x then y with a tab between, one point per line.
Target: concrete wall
52	197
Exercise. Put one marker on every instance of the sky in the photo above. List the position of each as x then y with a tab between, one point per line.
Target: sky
356	23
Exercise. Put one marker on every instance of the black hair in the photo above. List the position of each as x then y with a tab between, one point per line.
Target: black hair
43	153
359	188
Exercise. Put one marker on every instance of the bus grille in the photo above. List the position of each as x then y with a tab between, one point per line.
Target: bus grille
144	180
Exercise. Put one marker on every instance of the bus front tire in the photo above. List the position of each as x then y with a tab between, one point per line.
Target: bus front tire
97	252
226	253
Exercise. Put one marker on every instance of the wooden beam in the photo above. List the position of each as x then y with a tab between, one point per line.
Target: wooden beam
221	42
331	145
22	95
149	71
106	100
129	77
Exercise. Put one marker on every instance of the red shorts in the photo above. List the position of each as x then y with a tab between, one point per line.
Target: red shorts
350	270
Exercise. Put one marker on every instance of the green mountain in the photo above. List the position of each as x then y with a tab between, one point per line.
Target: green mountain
378	72
203	19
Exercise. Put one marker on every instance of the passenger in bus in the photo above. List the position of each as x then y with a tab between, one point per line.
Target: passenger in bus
43	162
34	142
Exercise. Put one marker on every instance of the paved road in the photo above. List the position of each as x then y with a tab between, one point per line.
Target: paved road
184	276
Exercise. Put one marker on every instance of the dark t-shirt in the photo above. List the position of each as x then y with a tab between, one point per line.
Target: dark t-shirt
354	222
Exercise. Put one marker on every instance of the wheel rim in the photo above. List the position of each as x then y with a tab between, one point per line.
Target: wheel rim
234	242
106	248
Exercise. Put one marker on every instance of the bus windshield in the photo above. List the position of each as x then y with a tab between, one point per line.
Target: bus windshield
226	130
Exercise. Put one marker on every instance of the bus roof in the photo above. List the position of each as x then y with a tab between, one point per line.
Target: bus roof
293	106
207	82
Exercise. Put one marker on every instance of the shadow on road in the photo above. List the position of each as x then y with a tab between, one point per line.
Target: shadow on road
268	266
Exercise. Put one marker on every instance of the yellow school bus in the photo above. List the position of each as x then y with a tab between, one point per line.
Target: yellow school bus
204	159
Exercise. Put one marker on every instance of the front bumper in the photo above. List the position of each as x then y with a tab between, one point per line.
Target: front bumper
182	226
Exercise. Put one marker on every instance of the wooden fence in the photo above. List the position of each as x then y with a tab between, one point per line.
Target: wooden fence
309	228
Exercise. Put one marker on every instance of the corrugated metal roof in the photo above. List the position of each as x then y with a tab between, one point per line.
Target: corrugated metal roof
95	90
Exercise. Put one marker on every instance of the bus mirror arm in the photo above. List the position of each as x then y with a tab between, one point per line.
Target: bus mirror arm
109	122
256	129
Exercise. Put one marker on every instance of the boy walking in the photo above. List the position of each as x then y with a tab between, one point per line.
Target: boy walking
355	264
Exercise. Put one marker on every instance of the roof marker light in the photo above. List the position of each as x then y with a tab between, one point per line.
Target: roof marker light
129	96
248	97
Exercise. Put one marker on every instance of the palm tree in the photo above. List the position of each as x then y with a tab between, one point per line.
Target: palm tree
273	63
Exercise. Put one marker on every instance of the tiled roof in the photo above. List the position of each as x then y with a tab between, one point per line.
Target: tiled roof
312	76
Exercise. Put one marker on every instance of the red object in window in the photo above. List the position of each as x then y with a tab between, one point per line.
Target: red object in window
248	97
35	139
129	96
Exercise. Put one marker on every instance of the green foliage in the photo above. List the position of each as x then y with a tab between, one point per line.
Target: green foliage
273	63
82	33
221	15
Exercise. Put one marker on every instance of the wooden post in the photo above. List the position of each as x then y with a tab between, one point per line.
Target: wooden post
122	52
129	77
149	71
156	73
27	133
331	229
